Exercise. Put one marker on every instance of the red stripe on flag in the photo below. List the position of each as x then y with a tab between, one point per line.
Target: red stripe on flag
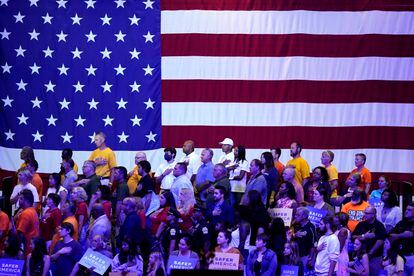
311	137
315	5
287	91
287	45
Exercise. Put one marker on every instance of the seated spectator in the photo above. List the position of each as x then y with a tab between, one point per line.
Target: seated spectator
223	246
286	197
185	207
156	265
103	196
160	216
24	177
355	208
261	261
38	262
383	183
51	219
392	262
359	260
291	256
66	253
128	259
184	250
390	213
321	199
56	188
319	179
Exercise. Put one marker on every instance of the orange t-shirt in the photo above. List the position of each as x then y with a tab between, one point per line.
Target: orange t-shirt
28	224
4	227
365	176
355	213
279	167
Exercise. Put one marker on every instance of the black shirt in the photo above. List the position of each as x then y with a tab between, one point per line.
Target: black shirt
377	228
145	186
307	242
406	244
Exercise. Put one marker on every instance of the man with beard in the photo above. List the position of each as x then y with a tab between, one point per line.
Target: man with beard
327	249
301	166
164	173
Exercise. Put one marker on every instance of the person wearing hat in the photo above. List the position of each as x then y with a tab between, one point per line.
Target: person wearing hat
200	233
172	233
227	148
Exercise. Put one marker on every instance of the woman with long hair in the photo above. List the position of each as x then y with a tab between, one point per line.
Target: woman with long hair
184	249
55	187
389	213
103	196
319	178
321	199
38	262
128	259
238	175
383	183
186	201
359	262
223	245
270	173
286	197
159	217
156	265
392	262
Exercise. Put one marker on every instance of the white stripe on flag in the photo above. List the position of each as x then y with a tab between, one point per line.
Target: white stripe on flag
287	22
287	68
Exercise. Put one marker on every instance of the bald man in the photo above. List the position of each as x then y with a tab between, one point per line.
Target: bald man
134	176
191	159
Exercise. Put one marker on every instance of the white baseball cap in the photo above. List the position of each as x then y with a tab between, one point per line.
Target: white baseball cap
227	141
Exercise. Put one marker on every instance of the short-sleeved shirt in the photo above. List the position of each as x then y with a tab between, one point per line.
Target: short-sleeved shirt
147	186
355	213
28	225
109	155
307	242
169	178
19	187
205	173
122	191
365	176
239	186
193	161
406	244
66	262
377	228
173	232
200	236
302	170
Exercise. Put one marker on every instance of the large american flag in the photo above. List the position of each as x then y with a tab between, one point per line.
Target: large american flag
331	74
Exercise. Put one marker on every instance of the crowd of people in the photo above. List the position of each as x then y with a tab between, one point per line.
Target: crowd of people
194	209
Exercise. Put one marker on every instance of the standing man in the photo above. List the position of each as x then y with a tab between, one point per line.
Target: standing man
218	210
304	234
256	182
164	173
360	169
289	176
66	155
276	153
101	224
134	176
69	174
181	181
146	184
91	182
191	159
204	177
301	166
227	148
103	156
119	175
220	179
326	160
327	249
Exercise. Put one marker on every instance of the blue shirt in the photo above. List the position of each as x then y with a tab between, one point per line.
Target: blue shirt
205	173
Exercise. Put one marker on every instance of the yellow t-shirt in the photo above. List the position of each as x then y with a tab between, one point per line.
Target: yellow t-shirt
302	170
109	156
133	180
333	175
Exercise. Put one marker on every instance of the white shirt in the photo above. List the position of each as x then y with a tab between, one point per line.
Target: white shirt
239	186
330	253
193	161
167	181
18	188
229	156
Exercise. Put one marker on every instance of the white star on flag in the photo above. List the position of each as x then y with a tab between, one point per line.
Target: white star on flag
50	87
6	68
123	137
66	137
76	19
121	104
90	4
92	137
9	135
108	120
61	36
7	101
3	2
106	54
120	36
93	104
63	70
134	20
64	104
21	85
135	54
91	36
79	121
151	137
19	17
76	53
106	87
47	19
91	70
148	70
37	136
34	35
5	34
22	119
119	70
135	87
20	51
36	102
148	37
148	4
136	121
78	87
35	68
51	120
106	20
120	3
149	104
61	3
48	52
33	2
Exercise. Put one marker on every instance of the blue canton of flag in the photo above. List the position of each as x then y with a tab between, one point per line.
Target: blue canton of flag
72	68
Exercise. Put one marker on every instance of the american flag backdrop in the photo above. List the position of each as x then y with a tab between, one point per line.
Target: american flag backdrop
333	75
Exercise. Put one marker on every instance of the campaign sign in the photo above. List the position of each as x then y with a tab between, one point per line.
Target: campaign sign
224	261
375	202
315	215
180	263
289	270
283	213
9	267
94	259
308	271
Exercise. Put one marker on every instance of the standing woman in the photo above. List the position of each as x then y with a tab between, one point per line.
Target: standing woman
319	178
270	173
321	199
326	160
390	213
261	261
393	263
185	207
52	218
238	175
156	265
38	262
79	197
223	246
383	183
103	196
291	256
286	198
56	188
